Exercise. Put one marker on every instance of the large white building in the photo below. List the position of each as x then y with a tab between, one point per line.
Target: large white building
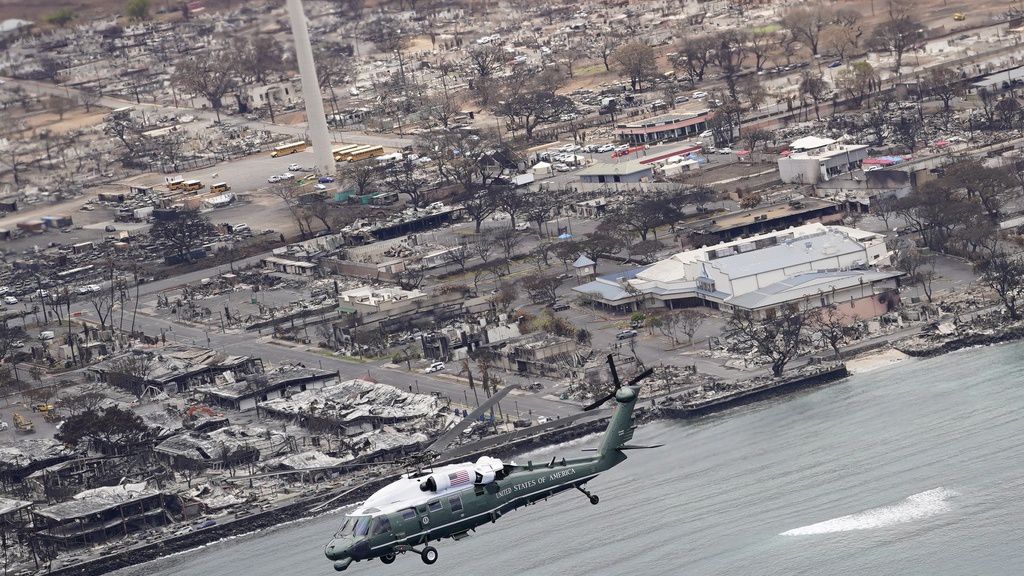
811	265
813	159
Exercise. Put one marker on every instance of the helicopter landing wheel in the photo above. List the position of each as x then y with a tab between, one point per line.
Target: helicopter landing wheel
592	497
388	558
429	555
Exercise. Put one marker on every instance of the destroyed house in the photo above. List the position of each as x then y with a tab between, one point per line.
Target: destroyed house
64	480
246	393
223	448
19	461
354	403
539	355
174	368
102	513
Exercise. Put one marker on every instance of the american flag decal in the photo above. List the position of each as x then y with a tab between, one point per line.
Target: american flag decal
459	478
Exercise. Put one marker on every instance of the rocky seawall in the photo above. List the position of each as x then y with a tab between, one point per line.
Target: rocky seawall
927	345
753	391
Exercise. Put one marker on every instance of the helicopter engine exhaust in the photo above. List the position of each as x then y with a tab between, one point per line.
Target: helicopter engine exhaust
484	471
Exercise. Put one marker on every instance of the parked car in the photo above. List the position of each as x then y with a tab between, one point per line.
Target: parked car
435	367
325	180
522	226
725	150
606	148
699	95
110	228
295	168
835	64
625	334
287	176
10	300
559	306
240	228
274	179
46	335
542	419
561	167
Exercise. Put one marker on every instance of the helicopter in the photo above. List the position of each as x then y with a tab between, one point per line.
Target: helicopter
452	500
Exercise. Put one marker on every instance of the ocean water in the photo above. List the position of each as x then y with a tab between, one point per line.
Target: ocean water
915	468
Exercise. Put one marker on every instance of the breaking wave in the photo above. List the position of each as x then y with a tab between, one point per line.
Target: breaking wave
916	507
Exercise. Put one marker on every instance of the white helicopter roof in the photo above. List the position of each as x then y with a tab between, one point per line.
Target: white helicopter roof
405	492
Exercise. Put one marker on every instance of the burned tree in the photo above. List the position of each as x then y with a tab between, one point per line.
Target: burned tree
183	229
1005	275
777	337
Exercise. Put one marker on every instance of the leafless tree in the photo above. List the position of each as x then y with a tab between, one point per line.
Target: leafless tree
509	240
88	97
806	24
899	33
831	325
1004	273
365	176
528	102
211	76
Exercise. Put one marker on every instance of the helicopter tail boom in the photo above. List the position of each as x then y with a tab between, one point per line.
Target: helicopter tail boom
620	427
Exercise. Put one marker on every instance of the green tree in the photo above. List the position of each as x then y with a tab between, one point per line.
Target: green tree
137	9
636	61
112	430
61	17
184	230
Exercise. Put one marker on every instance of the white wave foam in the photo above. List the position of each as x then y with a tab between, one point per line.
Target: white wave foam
916	507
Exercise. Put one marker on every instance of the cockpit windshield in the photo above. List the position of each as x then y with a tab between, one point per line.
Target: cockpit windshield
357	526
362	527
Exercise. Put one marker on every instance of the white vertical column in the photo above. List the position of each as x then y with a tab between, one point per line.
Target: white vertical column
323	158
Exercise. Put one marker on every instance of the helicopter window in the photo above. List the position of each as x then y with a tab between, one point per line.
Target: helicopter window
434	506
380	525
362	526
408	514
456	503
346	527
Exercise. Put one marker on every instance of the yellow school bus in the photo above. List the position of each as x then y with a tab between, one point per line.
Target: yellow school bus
175	183
191	185
220	187
289	148
341	153
365	152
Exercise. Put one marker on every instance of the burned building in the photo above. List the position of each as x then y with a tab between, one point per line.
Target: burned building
246	392
103	513
172	368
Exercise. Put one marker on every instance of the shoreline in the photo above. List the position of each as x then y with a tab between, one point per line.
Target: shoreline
918	346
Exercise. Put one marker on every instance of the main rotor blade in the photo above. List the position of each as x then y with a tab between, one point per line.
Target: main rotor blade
615	373
599	402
